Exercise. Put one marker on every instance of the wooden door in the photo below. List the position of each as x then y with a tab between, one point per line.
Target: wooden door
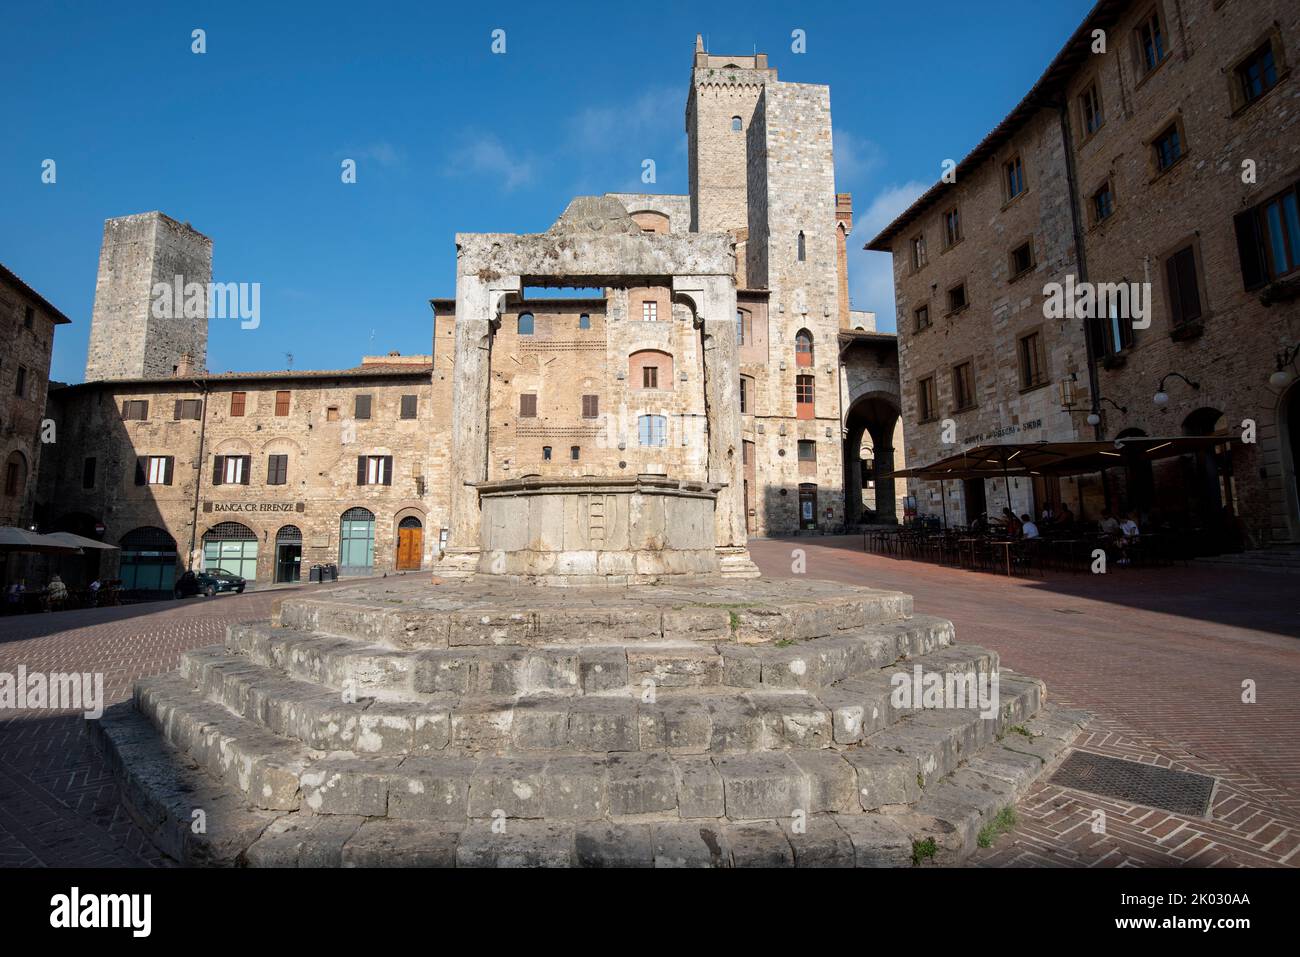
410	545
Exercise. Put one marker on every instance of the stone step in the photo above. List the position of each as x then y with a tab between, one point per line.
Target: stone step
681	720
942	827
273	772
483	615
367	667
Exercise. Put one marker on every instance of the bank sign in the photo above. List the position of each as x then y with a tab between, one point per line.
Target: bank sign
1002	433
253	507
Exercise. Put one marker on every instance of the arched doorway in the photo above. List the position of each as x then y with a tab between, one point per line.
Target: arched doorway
870	495
80	570
357	542
288	554
1212	486
148	562
231	547
410	544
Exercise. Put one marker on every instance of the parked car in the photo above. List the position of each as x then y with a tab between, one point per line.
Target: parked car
209	583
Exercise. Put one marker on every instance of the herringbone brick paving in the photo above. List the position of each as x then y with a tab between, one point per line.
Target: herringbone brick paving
1158	654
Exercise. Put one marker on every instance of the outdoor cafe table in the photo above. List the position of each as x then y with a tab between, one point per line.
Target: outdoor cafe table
1006	544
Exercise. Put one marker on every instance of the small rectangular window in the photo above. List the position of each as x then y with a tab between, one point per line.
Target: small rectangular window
1015	177
921	317
807	450
277	469
1022	259
188	409
650	311
546	453
952	227
238	400
1090	107
20	383
744	395
135	410
362	407
918	252
804	397
1168	147
29	317
584	321
957	298
1103	203
650	377
1031	361
374	470
575	452
1150	42
1183	286
332	413
963	387
88	472
591	406
653	430
282	403
528	405
925	399
410	406
1257	74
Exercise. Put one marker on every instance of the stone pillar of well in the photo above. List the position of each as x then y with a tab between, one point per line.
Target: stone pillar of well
478	306
714	298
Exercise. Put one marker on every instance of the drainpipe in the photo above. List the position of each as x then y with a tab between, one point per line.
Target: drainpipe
198	480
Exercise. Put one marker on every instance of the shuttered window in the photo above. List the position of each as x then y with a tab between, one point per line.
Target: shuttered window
282	403
1184	292
410	406
374	470
277	469
238	400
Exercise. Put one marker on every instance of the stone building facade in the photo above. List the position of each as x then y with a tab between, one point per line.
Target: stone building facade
1153	151
27	324
611	384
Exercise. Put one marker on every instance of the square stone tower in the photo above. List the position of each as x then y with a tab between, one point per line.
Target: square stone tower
128	338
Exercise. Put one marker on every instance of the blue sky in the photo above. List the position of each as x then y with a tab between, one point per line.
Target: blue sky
245	141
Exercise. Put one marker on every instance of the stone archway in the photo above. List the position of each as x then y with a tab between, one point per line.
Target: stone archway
869	485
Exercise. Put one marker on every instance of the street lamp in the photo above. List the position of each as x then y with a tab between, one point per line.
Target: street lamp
1161	398
1284	376
1094	417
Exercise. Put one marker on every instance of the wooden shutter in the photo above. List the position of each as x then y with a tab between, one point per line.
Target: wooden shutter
218	469
527	406
177	414
362	409
1250	250
361	470
388	470
282	403
410	406
140	476
247	462
169	462
237	402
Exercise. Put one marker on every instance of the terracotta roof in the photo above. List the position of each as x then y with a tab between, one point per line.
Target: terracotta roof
1044	94
9	276
377	371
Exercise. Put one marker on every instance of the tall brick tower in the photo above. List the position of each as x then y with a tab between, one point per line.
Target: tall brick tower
762	167
127	339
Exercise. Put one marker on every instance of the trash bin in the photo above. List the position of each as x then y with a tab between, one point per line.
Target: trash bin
333	572
315	574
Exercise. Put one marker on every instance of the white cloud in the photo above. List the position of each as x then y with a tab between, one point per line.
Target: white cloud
855	158
649	116
483	154
871	275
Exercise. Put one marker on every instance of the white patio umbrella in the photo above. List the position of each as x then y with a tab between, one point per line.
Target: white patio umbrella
79	541
13	539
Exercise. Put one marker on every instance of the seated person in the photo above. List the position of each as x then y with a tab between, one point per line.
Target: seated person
981	523
1128	531
1065	517
1027	527
1109	525
1011	523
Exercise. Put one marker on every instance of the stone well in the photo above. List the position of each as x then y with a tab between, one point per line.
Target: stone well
610	531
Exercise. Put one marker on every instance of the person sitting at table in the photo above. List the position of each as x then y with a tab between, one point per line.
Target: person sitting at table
981	524
1049	514
1011	523
1066	517
1027	527
1128	533
58	593
1109	525
14	597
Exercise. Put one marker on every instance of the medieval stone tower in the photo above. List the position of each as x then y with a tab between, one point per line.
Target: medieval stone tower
762	168
127	339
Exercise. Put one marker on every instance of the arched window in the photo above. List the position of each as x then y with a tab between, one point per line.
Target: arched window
231	547
803	247
148	560
525	323
650	369
584	321
653	430
357	540
15	474
803	348
736	124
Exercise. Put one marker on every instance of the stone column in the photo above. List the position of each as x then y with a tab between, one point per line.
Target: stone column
477	309
715	314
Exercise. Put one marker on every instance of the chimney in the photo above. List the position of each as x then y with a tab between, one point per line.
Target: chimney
185	365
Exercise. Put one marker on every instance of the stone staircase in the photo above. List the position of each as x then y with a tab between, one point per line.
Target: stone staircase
1279	558
746	723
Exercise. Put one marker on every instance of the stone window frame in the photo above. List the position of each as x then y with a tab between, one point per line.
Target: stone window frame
805	385
1014	275
1186	327
1093	87
918	255
1028	384
584	321
1108	184
917	325
1254	249
810	446
804	335
575	453
135	410
950	310
546	453
927	400
737	124
642	360
16	474
955	212
1141	69
974	388
746	394
1272	38
1173	121
1017	158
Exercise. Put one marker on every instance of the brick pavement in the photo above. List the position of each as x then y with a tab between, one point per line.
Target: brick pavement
1158	654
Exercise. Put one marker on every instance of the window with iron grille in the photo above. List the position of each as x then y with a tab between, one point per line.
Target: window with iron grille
957	298
921	315
1022	259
